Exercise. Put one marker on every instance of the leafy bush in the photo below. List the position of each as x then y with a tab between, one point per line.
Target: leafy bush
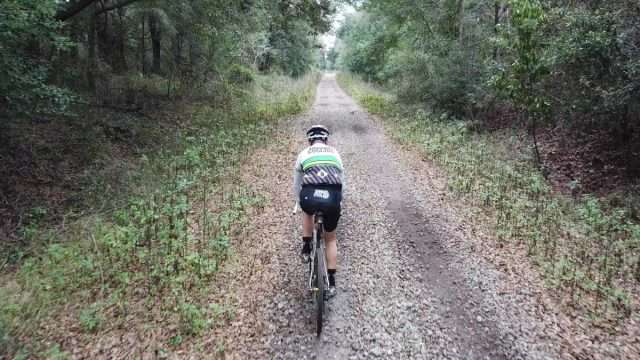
433	70
193	319
240	74
91	318
595	60
439	80
367	45
27	31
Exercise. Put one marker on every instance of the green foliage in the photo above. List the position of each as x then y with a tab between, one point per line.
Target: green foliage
193	319
291	43
521	79
574	63
366	45
185	42
175	233
28	32
585	246
374	101
292	50
595	62
176	340
91	318
55	353
396	44
241	75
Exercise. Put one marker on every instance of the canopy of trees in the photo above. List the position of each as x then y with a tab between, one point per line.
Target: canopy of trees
54	50
576	63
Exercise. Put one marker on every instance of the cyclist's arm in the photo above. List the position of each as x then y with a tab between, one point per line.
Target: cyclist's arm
297	179
343	179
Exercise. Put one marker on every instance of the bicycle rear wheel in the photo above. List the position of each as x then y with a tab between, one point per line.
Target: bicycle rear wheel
320	271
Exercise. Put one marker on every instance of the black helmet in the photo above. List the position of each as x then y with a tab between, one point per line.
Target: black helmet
318	132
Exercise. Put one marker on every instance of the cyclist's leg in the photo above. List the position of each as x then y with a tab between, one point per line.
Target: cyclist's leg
331	246
307	225
307	235
331	253
306	204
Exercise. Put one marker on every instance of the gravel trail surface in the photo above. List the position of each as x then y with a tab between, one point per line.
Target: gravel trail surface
410	284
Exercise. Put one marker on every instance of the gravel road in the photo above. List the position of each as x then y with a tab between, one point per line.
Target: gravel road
410	283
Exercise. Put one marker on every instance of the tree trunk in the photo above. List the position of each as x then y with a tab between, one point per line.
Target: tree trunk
460	20
143	48
105	35
194	52
154	30
496	23
626	138
121	39
91	66
534	135
177	49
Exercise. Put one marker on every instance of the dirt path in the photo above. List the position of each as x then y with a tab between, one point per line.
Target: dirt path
410	284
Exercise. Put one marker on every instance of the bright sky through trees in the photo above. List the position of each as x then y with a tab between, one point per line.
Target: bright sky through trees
329	39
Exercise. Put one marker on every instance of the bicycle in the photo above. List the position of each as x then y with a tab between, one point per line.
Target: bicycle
317	271
318	276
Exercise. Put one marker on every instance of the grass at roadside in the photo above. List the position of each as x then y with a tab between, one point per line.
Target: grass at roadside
585	246
153	257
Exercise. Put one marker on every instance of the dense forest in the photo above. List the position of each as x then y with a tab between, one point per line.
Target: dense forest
564	69
55	48
66	63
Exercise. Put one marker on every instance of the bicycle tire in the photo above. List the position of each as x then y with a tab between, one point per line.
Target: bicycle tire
320	271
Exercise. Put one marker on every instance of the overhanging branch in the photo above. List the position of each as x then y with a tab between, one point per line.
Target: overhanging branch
117	5
72	10
78	6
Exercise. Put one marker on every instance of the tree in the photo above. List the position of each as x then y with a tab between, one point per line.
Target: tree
521	80
28	35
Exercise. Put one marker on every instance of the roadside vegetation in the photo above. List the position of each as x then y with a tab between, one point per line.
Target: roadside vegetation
162	248
585	247
531	107
123	126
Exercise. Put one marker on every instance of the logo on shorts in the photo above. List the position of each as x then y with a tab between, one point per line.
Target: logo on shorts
322	194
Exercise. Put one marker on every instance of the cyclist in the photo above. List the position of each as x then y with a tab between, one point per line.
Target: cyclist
317	183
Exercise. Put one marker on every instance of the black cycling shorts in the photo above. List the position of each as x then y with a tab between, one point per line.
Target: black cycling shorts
325	198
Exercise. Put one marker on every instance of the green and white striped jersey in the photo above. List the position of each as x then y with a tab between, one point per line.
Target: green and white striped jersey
319	164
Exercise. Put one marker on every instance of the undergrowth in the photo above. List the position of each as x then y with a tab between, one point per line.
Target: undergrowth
585	246
160	250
